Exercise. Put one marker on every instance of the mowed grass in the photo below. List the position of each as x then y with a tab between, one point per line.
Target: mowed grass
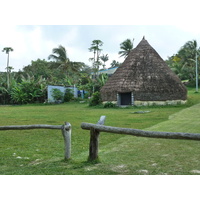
42	151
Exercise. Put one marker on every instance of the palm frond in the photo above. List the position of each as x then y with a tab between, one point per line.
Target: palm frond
52	56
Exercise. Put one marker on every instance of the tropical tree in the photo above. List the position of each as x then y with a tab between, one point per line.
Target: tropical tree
104	58
38	68
102	79
184	62
76	66
126	46
95	48
7	50
114	63
60	56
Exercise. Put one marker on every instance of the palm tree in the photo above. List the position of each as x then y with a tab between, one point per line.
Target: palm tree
76	66
60	56
7	50
114	63
189	54
96	50
188	51
104	58
185	62
126	47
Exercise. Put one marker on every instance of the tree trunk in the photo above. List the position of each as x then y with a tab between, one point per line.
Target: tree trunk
8	81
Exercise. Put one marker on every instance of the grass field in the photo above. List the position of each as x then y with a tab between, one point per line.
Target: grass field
42	151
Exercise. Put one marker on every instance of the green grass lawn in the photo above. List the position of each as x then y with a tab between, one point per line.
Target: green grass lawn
42	151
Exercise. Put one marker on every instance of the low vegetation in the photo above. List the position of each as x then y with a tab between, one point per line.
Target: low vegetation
42	151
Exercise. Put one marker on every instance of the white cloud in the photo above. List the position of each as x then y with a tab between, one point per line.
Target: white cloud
28	44
33	42
71	36
190	28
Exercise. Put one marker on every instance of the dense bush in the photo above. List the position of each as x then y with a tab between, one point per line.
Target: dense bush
57	95
68	95
109	105
5	97
95	99
28	92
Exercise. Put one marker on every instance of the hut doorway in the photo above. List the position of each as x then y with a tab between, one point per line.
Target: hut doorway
125	99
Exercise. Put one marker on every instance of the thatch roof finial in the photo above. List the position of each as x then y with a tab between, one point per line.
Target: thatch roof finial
143	38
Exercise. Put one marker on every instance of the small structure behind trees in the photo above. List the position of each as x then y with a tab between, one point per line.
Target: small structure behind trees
58	94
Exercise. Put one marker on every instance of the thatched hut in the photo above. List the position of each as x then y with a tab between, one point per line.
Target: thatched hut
144	79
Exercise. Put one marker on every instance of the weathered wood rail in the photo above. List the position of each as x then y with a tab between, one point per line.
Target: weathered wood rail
65	129
95	130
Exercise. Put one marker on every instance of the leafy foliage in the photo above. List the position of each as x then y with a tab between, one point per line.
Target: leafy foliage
95	99
57	95
109	105
126	46
184	62
68	95
28	91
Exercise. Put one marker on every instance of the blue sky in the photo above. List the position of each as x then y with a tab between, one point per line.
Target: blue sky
31	42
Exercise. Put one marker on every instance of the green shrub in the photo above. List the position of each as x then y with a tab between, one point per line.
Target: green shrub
95	99
109	105
57	95
28	92
68	95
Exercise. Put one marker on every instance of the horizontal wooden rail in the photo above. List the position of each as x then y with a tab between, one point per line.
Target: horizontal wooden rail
35	126
66	132
141	133
95	130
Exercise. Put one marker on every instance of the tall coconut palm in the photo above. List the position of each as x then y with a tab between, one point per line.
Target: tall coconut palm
114	63
7	50
186	61
104	58
189	54
60	56
126	46
188	50
95	48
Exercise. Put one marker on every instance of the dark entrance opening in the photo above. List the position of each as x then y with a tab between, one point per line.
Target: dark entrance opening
126	98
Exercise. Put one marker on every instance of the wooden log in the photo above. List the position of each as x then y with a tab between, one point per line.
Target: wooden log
94	140
36	126
66	132
94	144
141	133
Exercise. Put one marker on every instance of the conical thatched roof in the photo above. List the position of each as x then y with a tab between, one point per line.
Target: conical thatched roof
146	75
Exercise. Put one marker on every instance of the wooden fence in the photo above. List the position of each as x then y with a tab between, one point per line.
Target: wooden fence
95	130
66	132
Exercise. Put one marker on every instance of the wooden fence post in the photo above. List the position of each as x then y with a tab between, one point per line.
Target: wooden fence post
94	141
66	132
